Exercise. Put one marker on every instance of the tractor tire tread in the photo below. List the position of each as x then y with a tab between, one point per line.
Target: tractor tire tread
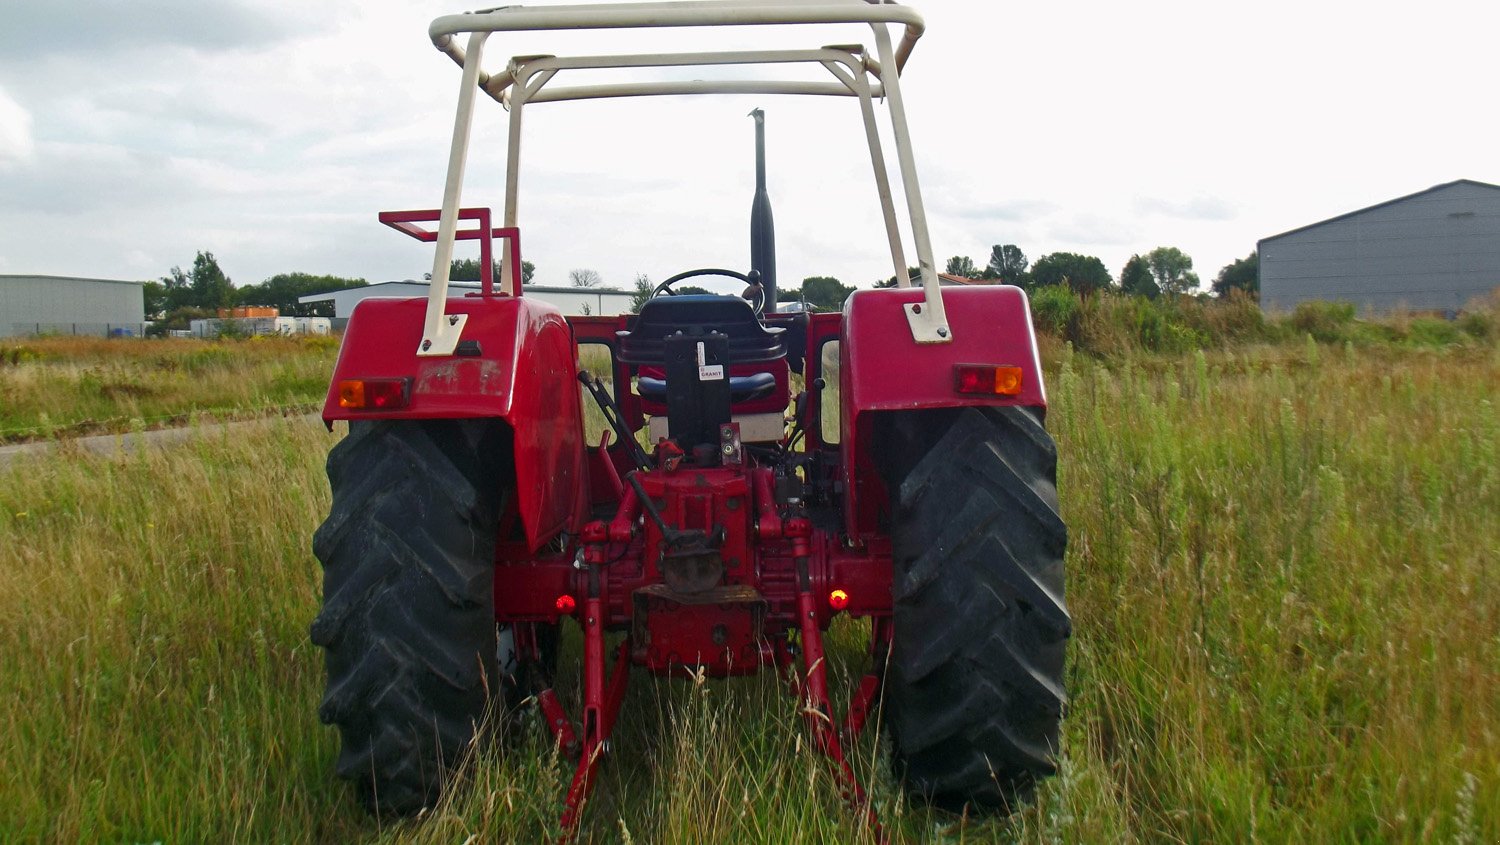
974	690
408	619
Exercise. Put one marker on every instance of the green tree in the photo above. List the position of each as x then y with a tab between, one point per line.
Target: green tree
961	265
284	290
467	270
154	298
1242	274
824	292
912	274
1172	269
1136	278
210	287
640	291
177	288
1083	273
1008	264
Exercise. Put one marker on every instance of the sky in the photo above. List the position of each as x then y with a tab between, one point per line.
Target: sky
134	133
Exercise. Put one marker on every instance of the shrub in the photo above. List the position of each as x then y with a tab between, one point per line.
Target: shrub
1478	325
1055	309
1235	317
1432	331
320	342
1329	322
17	355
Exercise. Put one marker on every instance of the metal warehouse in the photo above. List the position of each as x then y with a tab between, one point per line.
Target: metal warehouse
32	305
572	301
1435	250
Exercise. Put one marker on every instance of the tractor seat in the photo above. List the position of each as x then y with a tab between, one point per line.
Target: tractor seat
741	388
749	341
758	375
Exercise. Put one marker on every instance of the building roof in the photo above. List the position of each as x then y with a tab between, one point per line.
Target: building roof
960	280
327	295
31	276
1382	205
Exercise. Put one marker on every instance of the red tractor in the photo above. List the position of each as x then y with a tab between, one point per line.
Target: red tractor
908	482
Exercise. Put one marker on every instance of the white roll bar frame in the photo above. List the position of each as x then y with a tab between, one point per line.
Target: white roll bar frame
522	82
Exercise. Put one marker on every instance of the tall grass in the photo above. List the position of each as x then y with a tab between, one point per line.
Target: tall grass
72	385
1282	574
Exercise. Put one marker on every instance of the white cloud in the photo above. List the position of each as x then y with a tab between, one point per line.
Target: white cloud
1191	208
272	131
16	143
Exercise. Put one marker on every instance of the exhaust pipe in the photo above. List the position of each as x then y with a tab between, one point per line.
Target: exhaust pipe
762	231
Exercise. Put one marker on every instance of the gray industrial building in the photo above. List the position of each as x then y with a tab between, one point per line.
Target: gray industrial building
31	305
1435	250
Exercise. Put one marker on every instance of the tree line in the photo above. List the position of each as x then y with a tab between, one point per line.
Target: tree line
1164	270
181	296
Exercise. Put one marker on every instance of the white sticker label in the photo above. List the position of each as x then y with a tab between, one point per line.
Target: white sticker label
701	359
711	373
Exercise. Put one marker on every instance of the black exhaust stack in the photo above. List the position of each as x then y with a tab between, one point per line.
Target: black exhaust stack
762	231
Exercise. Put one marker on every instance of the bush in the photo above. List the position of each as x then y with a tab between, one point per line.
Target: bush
17	355
1432	331
1329	322
319	342
1235	317
1110	323
1478	325
1055	310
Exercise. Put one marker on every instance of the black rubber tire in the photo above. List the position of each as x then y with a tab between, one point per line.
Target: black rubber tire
408	617
974	689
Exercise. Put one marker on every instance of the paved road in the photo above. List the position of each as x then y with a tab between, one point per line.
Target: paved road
110	444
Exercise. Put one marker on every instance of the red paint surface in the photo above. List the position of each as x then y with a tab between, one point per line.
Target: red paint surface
883	369
524	375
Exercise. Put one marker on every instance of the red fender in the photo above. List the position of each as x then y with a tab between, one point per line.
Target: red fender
882	368
523	372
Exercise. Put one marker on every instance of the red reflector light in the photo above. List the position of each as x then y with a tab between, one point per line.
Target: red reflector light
987	379
374	394
565	604
838	599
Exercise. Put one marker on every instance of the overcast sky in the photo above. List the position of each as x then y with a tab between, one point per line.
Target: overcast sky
136	132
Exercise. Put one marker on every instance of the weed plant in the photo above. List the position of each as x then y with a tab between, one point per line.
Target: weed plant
1282	572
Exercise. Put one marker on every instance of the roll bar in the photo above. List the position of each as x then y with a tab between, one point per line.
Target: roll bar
855	74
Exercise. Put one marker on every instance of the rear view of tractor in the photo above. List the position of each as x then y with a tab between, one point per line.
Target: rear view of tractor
765	472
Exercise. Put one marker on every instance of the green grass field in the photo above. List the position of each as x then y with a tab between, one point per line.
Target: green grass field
1282	572
60	386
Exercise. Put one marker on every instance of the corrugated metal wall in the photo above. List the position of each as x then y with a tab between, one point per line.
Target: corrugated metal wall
46	304
1436	250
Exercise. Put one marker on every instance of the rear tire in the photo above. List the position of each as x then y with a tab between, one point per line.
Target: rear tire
974	691
408	618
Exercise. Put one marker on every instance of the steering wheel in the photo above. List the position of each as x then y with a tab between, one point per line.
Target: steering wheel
751	278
